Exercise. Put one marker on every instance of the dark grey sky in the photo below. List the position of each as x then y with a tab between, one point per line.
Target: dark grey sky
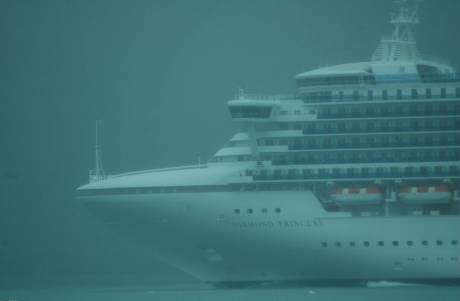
158	74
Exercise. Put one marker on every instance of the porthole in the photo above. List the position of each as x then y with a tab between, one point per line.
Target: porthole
352	244
366	244
278	210
454	258
324	244
237	211
454	242
381	243
395	243
424	242
410	243
250	211
439	242
338	244
264	210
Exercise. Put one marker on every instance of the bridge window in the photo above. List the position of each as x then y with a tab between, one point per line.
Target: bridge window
250	112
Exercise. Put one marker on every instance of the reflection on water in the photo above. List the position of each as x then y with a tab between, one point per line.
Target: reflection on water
388	292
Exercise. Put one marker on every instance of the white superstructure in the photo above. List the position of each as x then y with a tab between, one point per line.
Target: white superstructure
354	178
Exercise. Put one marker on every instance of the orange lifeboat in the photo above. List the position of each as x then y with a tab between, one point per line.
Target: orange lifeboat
369	195
437	194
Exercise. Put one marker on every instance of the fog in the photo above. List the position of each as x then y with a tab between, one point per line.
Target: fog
157	74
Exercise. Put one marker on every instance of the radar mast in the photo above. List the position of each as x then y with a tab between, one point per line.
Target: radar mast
401	45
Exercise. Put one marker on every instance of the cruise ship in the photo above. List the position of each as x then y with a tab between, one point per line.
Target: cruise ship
355	177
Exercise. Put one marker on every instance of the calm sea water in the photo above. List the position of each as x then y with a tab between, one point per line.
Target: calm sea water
393	293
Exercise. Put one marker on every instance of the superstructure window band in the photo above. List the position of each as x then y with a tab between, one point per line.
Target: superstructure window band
383	94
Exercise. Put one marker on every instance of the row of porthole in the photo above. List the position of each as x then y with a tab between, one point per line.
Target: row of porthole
412	259
394	243
251	211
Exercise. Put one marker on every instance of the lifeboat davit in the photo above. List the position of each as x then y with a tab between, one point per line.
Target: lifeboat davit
437	194
369	195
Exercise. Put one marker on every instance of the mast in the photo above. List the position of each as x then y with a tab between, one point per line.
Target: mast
97	174
401	45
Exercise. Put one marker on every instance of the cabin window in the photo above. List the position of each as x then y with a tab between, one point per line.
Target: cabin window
385	95
428	93
341	95
336	80
443	93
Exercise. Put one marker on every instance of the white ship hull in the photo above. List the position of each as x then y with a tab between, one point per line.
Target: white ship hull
356	177
201	234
